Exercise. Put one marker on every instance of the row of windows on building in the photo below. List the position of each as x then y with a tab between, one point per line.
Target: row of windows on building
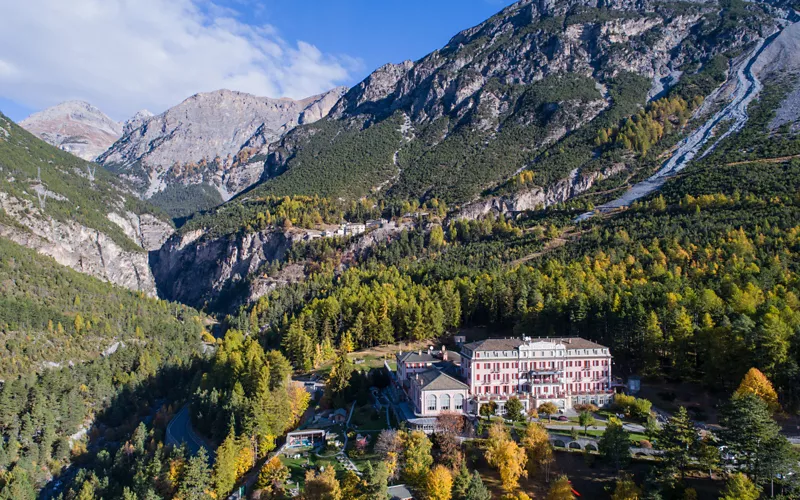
525	388
443	402
542	364
534	354
508	376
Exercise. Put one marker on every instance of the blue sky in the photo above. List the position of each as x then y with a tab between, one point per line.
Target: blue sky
126	55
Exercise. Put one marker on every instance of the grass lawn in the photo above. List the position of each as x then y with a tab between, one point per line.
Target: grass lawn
298	471
594	433
365	418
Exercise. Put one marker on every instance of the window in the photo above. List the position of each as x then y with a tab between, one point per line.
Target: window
459	402
431	402
445	402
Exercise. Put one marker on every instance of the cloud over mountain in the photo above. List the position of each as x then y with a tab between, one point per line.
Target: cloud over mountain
124	55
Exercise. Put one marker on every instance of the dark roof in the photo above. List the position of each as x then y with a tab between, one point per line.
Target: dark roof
511	344
399	492
416	357
495	345
434	380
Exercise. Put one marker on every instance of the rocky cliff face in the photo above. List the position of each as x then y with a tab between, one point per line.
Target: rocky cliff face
195	269
537	197
213	138
76	127
82	248
74	212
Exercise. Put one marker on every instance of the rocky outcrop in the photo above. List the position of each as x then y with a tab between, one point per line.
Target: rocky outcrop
84	249
76	127
136	121
214	138
195	269
537	197
146	230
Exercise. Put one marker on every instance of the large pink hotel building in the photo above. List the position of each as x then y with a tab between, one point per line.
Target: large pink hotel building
563	371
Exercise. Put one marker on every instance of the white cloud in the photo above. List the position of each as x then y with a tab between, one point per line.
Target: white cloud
125	55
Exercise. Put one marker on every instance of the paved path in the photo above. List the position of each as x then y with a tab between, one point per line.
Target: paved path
180	431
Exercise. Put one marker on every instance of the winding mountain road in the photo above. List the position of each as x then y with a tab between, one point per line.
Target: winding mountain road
747	88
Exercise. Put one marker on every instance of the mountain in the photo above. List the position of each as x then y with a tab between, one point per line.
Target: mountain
76	127
510	116
210	146
528	89
75	211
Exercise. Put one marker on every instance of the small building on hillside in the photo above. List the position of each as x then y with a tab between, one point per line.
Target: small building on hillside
339	416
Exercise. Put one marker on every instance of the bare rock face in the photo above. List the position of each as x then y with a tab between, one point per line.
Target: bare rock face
145	230
76	127
73	245
537	197
195	269
136	121
213	138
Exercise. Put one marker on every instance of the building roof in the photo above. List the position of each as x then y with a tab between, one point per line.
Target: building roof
434	380
417	357
399	492
509	344
495	345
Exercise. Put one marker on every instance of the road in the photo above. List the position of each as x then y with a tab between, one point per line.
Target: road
747	88
180	431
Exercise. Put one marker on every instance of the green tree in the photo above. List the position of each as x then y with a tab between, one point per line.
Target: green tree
196	482
477	490
678	440
753	437
586	420
626	489
461	482
225	465
515	411
614	444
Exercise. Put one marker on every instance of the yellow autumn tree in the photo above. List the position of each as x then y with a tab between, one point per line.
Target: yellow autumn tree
536	442
755	382
506	456
272	476
561	490
439	483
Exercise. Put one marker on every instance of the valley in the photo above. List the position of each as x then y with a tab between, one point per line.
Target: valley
557	257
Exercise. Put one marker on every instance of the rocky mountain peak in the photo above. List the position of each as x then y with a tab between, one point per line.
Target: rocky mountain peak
212	138
136	121
76	127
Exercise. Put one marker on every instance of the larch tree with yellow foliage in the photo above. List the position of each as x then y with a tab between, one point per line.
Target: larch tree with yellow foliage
272	477
506	456
536	442
560	490
439	484
755	382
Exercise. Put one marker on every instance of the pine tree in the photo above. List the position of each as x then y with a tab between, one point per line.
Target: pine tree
477	490
196	482
225	465
678	440
614	444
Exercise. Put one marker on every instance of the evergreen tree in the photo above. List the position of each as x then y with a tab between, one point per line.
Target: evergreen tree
679	442
196	482
614	444
477	490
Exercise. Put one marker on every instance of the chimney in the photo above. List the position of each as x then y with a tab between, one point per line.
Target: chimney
444	353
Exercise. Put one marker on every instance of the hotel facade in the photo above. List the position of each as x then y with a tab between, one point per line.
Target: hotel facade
562	371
